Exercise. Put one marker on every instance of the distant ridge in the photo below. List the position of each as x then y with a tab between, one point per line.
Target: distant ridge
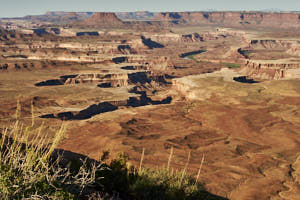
234	19
138	16
56	17
272	18
100	19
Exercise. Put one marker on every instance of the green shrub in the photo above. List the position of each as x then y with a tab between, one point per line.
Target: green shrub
232	65
165	184
15	184
149	183
117	176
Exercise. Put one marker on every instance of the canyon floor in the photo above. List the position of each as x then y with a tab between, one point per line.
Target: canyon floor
230	96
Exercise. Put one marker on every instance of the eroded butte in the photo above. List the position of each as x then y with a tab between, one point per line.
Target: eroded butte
220	84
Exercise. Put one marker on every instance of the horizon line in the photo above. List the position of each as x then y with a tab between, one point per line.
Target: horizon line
206	10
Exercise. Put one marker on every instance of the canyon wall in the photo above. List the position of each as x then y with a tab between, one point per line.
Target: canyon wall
262	69
100	19
234	19
279	20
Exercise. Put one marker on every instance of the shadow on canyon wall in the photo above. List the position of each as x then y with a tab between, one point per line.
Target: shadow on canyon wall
244	79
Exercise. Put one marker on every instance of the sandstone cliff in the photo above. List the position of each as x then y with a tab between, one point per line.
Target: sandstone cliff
234	19
270	70
100	19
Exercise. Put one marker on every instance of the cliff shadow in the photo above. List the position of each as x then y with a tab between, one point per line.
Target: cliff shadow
55	82
192	53
118	60
151	44
244	79
117	178
92	33
96	109
87	113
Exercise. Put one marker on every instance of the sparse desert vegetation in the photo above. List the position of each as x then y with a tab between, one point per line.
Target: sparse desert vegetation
232	65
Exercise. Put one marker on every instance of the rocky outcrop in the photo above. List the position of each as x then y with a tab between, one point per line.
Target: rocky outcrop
8	37
104	107
270	49
173	37
139	80
165	37
70	58
143	43
102	79
191	88
157	63
61	50
271	59
262	69
22	65
273	44
294	48
72	51
100	19
107	80
196	37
